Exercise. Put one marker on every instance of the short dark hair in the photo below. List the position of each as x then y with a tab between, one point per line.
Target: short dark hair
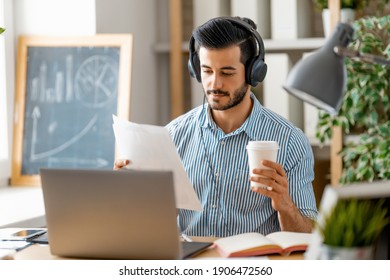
219	33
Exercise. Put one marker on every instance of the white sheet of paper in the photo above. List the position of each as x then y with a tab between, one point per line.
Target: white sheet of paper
150	147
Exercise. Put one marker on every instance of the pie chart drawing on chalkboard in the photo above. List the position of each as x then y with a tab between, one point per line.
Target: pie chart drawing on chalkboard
67	90
96	81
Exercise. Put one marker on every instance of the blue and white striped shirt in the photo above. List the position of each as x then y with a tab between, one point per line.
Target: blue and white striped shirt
216	164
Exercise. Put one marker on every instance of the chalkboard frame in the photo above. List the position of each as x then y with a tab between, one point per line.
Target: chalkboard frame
125	44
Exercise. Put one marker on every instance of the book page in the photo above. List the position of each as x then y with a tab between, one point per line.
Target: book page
244	242
286	239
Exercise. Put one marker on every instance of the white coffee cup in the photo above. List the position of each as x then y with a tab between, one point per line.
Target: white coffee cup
258	151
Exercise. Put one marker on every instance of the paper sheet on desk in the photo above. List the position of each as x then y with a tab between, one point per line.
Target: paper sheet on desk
150	147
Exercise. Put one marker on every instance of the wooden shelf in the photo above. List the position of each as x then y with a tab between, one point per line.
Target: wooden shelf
304	44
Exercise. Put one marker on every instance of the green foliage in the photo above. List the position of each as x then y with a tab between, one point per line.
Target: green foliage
354	223
2	30
367	160
366	106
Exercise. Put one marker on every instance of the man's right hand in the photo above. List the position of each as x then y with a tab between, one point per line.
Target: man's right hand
120	163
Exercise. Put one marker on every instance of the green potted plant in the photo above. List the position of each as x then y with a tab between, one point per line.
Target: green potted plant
351	229
365	110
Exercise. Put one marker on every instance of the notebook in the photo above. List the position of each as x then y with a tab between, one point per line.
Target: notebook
106	214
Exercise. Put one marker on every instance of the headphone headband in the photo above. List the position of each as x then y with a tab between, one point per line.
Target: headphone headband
255	68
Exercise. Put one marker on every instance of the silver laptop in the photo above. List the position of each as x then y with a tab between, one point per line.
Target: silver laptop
108	214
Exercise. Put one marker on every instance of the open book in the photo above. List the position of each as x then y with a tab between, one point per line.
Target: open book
254	244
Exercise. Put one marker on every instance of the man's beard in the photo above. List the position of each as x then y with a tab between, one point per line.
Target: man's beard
238	96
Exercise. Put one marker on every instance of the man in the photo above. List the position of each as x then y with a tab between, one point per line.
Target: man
227	57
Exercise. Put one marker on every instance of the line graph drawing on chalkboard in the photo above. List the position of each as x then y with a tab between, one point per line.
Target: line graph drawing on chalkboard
34	156
67	90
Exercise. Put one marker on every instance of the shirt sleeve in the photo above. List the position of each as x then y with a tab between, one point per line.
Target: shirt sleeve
300	173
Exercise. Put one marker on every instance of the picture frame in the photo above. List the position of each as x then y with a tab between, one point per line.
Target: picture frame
67	89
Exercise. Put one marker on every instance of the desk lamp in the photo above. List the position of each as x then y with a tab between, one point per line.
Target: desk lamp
320	79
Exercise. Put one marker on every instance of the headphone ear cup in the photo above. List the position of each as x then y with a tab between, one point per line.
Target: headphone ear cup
256	72
194	66
191	69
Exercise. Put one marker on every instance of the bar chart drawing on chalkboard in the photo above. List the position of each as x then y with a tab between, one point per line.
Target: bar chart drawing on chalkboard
67	90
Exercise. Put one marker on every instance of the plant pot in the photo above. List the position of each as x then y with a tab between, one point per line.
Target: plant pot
346	16
346	253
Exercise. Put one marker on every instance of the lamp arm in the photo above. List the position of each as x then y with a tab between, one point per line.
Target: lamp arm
364	57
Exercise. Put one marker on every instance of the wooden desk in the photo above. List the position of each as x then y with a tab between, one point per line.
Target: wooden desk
42	252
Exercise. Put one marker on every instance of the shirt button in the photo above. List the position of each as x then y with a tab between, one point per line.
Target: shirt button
217	174
222	142
214	206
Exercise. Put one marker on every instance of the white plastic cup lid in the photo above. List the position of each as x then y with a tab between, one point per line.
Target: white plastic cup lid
263	145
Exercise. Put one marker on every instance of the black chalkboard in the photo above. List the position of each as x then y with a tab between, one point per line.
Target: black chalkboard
69	93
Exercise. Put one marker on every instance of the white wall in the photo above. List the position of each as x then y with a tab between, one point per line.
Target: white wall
139	18
6	89
54	17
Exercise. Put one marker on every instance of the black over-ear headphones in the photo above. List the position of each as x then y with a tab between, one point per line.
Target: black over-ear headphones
255	68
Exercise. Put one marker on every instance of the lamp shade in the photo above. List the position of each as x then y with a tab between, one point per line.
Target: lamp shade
320	79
